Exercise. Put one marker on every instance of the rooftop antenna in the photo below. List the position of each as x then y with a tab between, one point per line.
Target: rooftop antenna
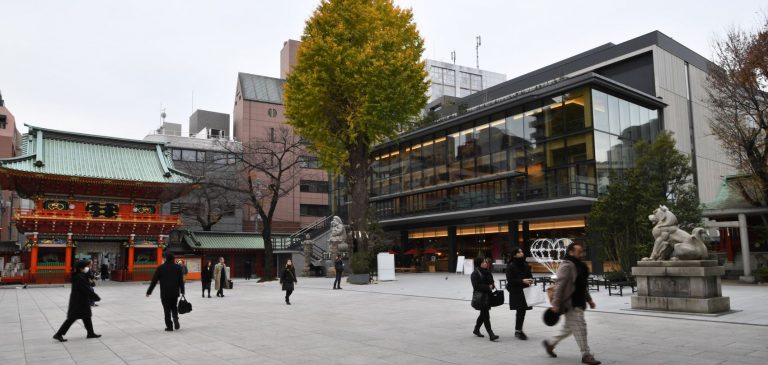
477	52
453	57
162	114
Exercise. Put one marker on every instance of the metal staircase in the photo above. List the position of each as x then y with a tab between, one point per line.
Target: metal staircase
317	232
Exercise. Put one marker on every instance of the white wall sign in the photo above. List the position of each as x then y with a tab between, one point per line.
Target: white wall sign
386	266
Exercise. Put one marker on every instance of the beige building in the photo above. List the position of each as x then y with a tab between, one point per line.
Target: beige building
10	146
258	113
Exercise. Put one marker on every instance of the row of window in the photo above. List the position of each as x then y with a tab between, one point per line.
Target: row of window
314	186
550	133
309	162
202	156
193	208
314	210
444	82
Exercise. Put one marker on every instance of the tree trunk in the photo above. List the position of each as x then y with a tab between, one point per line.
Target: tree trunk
269	263
357	178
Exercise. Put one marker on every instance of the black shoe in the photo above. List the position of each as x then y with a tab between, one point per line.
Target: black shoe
339	288
168	329
549	348
203	295
521	335
59	338
209	295
93	335
589	359
493	337
477	333
176	326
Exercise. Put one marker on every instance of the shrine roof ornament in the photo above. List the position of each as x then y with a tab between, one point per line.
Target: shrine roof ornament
61	153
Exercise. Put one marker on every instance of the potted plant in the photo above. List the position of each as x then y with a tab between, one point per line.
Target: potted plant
360	265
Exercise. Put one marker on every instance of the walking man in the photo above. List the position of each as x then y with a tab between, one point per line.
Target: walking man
339	266
571	299
247	269
171	278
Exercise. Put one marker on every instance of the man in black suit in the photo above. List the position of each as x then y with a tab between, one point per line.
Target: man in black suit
171	278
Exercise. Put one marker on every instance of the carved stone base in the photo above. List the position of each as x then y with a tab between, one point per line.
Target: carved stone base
692	286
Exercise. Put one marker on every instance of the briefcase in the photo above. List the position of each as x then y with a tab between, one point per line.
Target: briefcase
184	305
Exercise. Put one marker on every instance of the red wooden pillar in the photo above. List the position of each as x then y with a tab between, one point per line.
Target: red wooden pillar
68	256
33	255
130	253
160	245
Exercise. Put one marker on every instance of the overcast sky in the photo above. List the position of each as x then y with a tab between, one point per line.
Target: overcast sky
108	67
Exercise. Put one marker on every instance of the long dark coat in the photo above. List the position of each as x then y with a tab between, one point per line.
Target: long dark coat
517	270
288	278
482	279
206	275
80	297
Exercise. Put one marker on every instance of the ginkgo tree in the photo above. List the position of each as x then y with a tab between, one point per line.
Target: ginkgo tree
359	79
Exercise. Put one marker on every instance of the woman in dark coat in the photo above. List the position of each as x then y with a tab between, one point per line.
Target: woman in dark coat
205	277
288	278
518	277
79	302
482	281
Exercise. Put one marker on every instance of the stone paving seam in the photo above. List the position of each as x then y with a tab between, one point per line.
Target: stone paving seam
21	329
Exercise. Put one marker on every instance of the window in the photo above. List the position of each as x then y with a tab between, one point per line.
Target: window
476	82
313	186
200	156
309	162
188	155
176	154
314	210
3	121
176	208
449	77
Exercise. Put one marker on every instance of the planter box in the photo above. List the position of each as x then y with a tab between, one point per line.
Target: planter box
359	279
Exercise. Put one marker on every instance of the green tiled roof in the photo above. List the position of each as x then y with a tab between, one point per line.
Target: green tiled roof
224	241
729	196
81	155
261	88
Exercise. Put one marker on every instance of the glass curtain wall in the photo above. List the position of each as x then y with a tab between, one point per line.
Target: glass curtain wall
560	146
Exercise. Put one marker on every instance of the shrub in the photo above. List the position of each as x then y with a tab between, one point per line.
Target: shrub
761	275
360	263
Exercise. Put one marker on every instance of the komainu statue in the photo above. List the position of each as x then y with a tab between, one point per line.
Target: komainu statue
671	242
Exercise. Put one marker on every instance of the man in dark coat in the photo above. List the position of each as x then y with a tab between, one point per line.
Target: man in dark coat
79	302
339	266
247	269
518	277
171	278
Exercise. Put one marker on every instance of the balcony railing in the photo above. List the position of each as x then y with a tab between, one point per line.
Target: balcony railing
490	199
74	215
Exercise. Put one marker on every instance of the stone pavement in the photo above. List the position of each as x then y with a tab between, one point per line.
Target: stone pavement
419	319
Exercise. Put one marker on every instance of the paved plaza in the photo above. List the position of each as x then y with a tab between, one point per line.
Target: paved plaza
418	319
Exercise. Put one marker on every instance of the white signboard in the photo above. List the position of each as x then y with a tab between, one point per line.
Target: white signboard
386	266
469	266
460	264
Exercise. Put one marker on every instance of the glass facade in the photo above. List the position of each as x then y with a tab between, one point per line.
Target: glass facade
556	147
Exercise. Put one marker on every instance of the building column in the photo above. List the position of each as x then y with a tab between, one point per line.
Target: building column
514	235
33	255
160	246
68	256
526	238
130	253
452	256
744	236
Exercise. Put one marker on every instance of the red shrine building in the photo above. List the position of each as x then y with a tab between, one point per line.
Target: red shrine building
93	197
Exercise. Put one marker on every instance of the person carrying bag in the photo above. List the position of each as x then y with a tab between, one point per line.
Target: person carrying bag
482	286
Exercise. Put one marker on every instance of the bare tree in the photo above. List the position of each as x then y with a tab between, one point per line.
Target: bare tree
738	98
213	200
270	168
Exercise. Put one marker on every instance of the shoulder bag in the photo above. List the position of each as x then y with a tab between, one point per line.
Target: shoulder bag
184	306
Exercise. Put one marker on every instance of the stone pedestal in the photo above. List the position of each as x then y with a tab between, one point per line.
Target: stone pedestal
691	286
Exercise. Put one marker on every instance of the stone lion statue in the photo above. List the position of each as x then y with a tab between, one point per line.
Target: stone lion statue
671	242
337	229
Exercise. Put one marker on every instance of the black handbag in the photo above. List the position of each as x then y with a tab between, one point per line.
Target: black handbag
497	298
479	300
231	284
184	305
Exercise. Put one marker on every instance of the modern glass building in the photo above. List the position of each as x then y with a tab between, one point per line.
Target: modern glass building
529	157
